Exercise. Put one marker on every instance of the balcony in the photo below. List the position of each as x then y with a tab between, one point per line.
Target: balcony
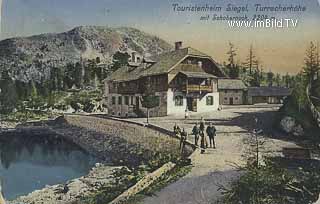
197	88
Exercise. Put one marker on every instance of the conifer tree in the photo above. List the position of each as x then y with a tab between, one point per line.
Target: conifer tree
311	67
270	76
232	68
8	94
251	61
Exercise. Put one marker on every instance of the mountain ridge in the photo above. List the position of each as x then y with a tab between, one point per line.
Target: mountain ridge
31	58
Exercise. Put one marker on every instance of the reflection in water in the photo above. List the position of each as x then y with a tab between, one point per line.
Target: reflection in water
31	162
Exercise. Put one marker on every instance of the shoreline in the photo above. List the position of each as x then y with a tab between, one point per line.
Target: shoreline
95	141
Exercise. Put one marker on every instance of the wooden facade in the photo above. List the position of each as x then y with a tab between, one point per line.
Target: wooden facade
187	82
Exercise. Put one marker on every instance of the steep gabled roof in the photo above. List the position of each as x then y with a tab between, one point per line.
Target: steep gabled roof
268	91
231	84
201	75
125	73
163	64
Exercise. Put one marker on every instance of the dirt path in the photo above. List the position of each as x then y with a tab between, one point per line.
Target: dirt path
215	167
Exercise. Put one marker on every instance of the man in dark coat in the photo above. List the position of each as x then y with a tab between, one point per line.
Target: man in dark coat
196	132
211	132
202	125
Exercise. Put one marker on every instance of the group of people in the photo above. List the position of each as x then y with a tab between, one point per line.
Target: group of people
198	131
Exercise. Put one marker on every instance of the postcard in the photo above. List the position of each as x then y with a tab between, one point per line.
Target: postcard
159	102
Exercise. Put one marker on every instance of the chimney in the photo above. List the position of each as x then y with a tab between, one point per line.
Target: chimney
133	57
178	45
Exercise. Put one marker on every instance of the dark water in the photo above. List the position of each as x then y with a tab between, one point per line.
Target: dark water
28	163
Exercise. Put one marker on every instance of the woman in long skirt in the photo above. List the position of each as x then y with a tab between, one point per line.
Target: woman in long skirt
202	142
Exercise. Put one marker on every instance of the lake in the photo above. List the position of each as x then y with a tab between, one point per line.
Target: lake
30	162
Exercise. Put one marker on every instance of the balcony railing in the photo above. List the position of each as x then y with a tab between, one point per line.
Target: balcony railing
197	88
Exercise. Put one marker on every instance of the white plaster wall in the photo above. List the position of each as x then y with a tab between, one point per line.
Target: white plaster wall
202	103
171	107
106	88
225	97
105	100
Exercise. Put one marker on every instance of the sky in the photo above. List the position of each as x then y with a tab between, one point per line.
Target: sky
280	50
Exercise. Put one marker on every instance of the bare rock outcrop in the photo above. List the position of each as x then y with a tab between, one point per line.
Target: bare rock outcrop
30	58
290	126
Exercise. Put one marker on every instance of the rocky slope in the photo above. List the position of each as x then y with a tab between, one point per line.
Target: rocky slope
29	58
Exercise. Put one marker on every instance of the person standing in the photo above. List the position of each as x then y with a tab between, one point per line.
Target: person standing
183	140
176	129
202	124
202	143
211	132
186	115
196	132
202	129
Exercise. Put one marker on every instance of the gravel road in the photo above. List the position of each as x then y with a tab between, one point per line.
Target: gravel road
215	167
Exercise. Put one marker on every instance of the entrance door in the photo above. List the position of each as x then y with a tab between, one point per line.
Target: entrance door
189	103
231	101
192	104
137	102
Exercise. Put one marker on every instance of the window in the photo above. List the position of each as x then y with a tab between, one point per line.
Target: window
237	98
179	81
126	100
236	91
209	100
225	98
120	100
113	100
225	91
132	100
178	101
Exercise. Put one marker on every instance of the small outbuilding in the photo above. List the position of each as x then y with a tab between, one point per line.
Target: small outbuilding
270	95
232	91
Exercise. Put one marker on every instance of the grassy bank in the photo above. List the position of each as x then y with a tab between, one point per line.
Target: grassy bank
277	181
128	179
178	172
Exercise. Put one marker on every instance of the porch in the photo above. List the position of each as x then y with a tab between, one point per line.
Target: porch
197	82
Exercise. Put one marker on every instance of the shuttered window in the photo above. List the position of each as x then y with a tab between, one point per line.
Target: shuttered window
178	101
209	100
